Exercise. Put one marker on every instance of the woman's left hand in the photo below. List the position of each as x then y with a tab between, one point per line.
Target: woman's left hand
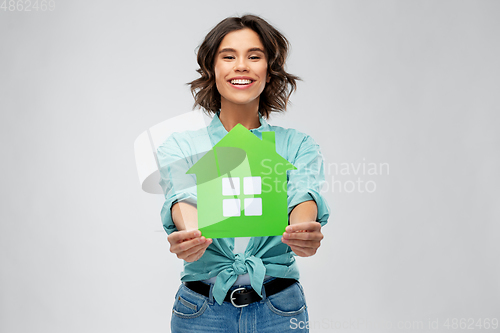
304	238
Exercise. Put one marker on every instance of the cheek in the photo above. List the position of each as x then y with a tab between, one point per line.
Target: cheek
219	79
263	72
220	74
217	75
217	71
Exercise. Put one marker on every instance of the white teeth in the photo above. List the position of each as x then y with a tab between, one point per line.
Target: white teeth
239	81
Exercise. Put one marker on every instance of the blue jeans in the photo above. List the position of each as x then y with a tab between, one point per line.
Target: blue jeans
285	311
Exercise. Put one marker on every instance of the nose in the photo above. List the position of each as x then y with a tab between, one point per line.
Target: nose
240	65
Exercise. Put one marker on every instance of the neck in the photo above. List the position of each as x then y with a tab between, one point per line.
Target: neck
233	114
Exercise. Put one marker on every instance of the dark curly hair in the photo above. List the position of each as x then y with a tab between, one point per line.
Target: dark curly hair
276	94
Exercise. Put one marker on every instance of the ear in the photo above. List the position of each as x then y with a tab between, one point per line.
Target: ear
268	78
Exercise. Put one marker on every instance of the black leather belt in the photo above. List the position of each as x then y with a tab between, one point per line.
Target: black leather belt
240	297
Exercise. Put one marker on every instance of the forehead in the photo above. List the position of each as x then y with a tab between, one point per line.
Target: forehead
241	40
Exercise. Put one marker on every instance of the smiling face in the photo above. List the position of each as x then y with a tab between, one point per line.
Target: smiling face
241	69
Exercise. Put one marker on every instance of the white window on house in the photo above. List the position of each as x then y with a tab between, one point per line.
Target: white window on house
252	185
231	207
231	187
253	206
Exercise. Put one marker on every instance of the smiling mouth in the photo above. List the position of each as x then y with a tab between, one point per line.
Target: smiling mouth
241	82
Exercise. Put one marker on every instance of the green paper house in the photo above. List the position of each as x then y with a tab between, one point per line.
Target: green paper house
242	187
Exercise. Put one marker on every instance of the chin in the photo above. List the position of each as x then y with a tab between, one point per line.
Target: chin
240	102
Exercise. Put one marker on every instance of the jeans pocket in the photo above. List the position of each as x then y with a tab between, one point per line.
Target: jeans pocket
288	302
189	304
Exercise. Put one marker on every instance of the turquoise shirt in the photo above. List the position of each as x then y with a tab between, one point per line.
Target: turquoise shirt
263	255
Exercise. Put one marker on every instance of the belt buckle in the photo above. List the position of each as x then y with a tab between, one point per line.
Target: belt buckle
232	298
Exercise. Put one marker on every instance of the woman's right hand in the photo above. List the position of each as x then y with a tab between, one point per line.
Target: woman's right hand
188	244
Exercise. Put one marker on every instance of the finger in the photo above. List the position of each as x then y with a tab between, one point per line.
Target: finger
179	236
302	243
186	245
301	252
182	254
189	255
307	226
313	236
195	256
195	253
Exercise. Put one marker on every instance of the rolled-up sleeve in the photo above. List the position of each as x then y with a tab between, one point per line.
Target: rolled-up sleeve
176	184
305	183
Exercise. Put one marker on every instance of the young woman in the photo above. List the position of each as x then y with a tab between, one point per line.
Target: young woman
242	284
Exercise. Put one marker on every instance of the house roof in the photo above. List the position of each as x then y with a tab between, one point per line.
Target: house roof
233	149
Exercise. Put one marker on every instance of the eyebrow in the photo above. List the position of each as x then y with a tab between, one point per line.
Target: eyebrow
253	49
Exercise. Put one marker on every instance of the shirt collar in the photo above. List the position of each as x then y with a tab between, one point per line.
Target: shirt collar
217	130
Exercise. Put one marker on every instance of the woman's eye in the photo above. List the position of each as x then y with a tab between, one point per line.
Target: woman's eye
231	57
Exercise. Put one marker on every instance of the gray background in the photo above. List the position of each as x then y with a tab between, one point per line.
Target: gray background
414	84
